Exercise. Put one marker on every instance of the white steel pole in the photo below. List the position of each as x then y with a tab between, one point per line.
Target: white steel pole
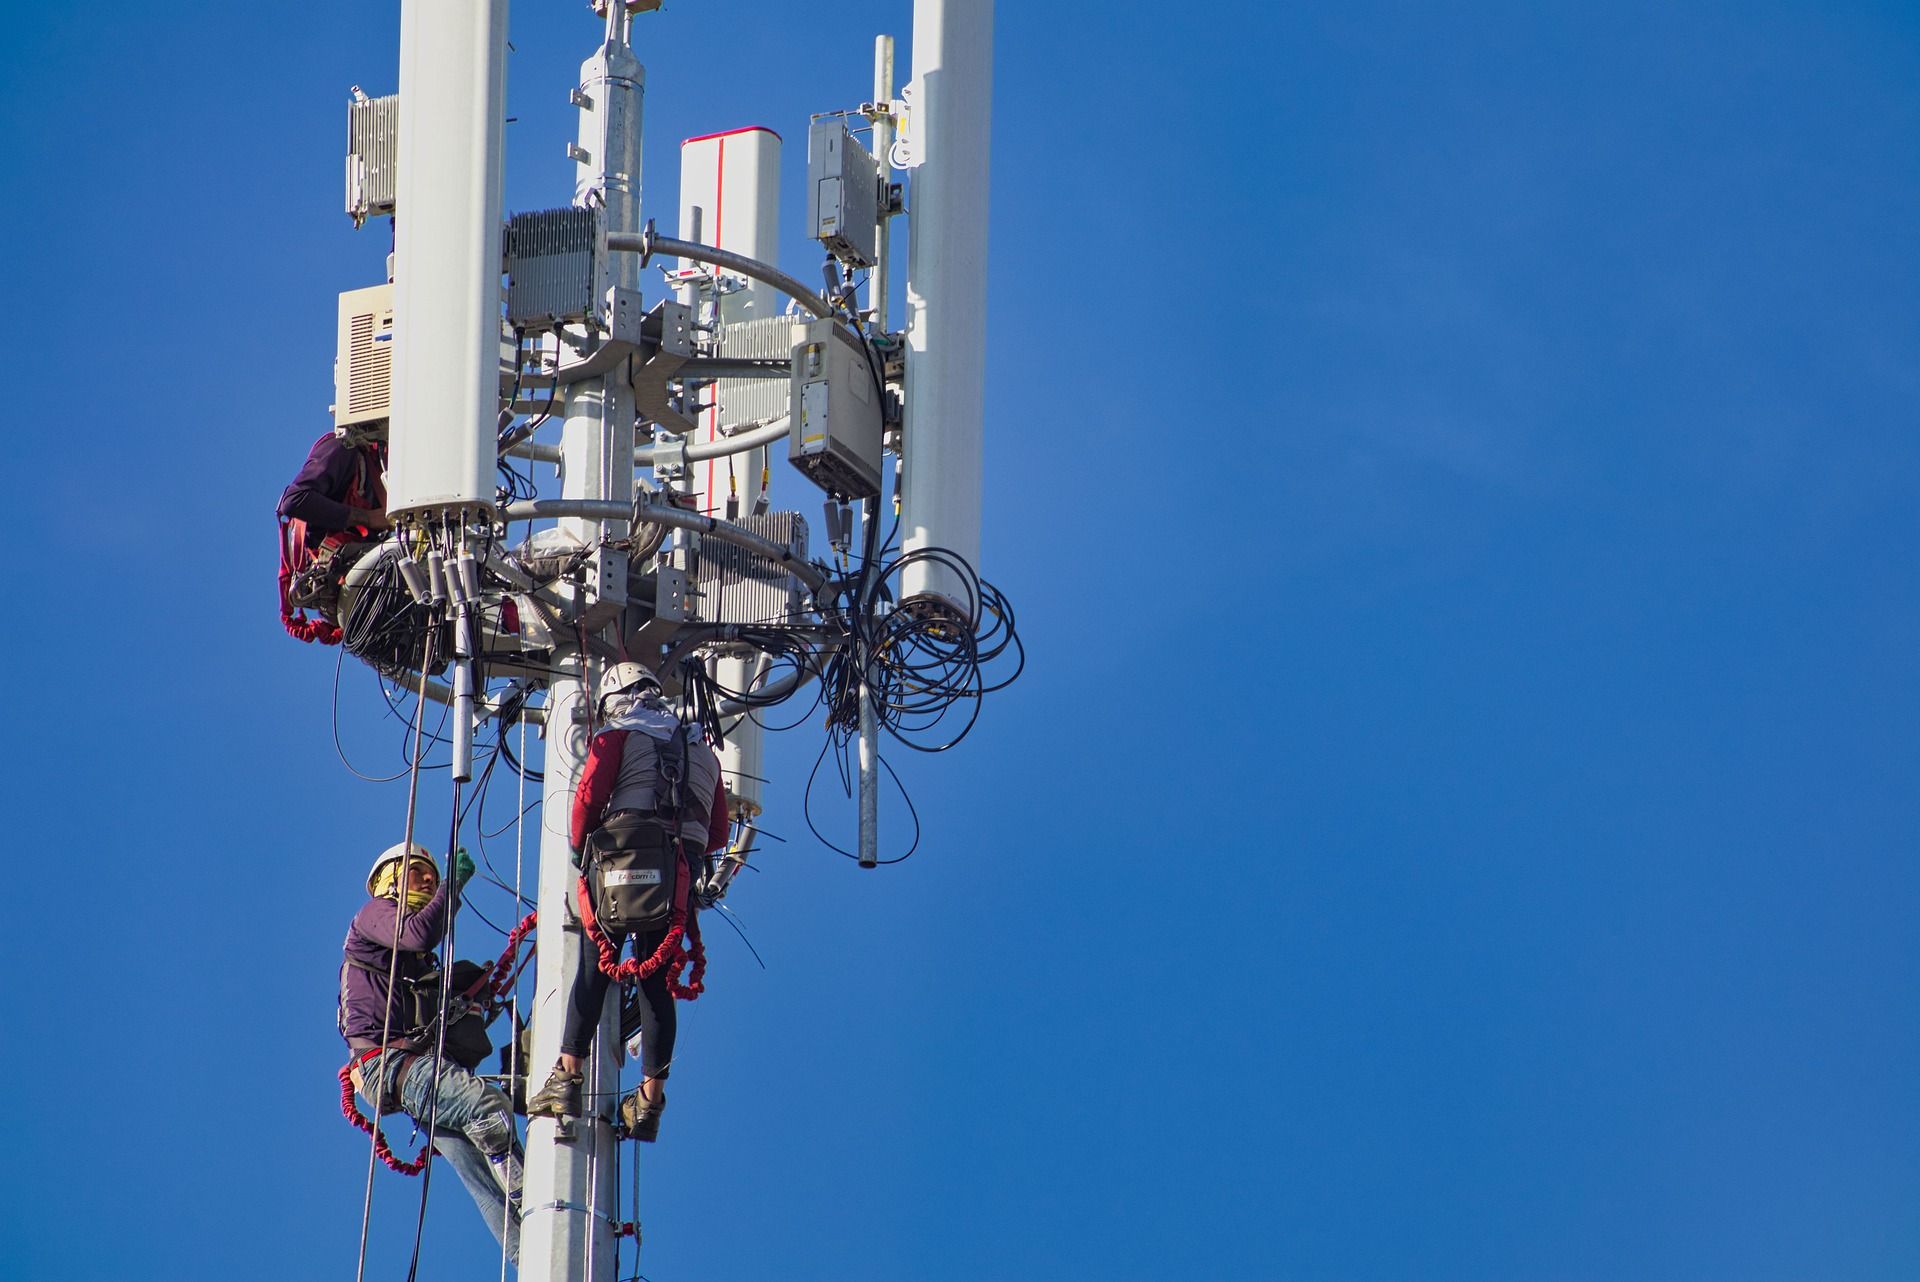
949	121
869	748
570	1201
446	289
882	152
565	1234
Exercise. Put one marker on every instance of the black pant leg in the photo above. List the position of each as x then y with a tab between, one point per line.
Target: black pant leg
659	1020
586	998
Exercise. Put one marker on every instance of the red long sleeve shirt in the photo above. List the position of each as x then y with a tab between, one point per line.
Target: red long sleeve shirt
602	772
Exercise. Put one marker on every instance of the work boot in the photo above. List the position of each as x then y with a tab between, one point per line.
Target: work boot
560	1097
642	1119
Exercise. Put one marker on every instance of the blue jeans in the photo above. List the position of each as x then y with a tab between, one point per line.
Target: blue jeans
472	1129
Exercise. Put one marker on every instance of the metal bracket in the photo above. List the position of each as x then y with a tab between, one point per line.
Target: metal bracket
667	332
669	457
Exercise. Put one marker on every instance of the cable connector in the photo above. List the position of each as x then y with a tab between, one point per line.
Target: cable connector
436	577
414	575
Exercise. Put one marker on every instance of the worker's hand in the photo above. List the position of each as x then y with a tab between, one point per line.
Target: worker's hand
462	868
371	518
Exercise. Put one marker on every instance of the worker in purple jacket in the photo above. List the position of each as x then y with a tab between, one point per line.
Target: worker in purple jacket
340	487
334	508
394	1067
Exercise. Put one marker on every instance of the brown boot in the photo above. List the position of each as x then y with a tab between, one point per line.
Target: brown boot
560	1097
642	1119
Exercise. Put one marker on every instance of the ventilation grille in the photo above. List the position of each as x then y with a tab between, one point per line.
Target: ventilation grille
363	361
736	586
550	267
369	364
746	400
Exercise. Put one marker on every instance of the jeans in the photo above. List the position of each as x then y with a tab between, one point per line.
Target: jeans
472	1129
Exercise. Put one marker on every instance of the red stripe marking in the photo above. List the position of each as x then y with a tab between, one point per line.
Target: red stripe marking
728	133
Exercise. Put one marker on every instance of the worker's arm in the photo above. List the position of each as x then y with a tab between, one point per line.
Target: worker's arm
419	932
597	778
315	494
719	823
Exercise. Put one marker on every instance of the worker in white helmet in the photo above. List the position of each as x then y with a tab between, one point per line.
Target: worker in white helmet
402	1061
651	802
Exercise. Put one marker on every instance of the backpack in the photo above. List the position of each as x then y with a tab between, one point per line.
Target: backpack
415	1003
637	865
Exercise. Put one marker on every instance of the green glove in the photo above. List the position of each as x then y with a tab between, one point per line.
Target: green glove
462	868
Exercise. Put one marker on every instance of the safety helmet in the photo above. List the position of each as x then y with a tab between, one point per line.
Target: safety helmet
394	854
625	675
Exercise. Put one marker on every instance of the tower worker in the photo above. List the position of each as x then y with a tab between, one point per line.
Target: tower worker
336	501
394	1039
623	806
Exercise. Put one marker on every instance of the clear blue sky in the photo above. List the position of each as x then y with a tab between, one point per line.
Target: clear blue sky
1456	468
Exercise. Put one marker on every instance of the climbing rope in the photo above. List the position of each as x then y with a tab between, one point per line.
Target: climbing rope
499	977
351	1110
393	970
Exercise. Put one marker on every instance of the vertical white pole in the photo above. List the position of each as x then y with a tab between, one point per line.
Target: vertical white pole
882	148
950	118
446	289
869	851
560	1240
570	1202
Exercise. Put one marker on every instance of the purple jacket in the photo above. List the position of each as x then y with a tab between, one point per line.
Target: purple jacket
333	474
363	994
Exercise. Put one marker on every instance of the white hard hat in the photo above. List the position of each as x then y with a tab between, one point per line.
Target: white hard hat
624	676
394	854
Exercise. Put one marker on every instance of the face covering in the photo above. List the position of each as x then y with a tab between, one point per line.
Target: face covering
646	713
388	882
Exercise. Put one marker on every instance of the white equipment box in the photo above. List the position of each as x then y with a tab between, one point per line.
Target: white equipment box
363	365
837	412
843	193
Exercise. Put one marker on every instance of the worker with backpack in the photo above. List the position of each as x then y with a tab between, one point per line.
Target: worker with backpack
650	805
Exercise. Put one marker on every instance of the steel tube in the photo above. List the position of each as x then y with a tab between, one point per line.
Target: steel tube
647	243
607	509
774	431
733	367
869	780
462	696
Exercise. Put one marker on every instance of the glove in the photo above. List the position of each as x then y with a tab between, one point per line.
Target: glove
462	868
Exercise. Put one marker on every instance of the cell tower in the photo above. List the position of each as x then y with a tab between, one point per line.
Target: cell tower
583	419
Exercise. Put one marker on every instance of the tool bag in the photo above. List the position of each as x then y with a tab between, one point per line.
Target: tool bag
416	1010
637	872
467	1017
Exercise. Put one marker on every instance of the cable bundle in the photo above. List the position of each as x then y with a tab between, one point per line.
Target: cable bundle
924	656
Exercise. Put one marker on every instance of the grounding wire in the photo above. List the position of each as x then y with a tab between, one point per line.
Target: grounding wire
393	979
340	749
452	891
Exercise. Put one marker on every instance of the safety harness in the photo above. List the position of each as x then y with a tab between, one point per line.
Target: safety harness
638	877
309	576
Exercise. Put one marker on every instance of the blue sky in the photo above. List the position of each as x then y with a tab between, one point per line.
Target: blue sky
1456	470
